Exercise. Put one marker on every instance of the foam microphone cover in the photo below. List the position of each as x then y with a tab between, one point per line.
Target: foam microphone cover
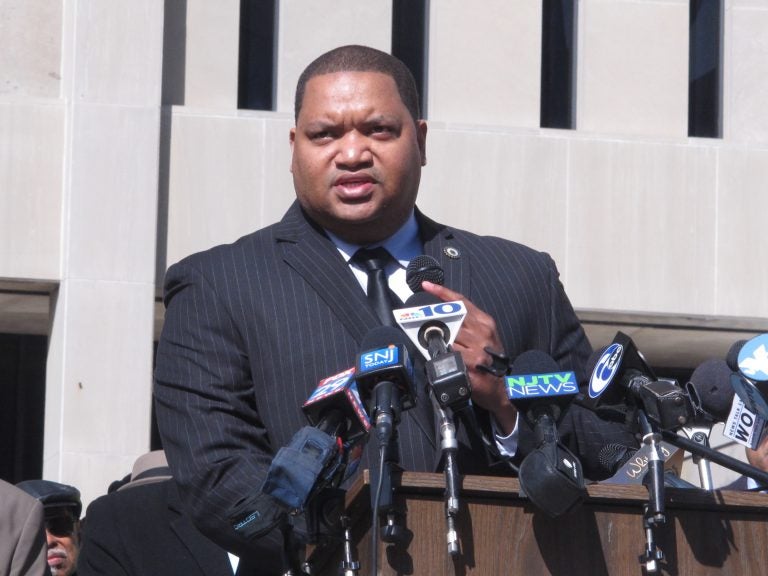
534	362
423	268
713	390
613	456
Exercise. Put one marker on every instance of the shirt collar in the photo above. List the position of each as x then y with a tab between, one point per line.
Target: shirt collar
404	245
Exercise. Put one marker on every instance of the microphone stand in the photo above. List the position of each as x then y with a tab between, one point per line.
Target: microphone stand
653	512
701	437
382	497
449	388
716	457
449	446
349	566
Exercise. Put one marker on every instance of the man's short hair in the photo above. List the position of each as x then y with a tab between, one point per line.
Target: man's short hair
355	58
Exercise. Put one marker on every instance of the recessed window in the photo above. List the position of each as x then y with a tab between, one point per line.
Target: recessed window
705	71
256	73
22	408
409	41
558	53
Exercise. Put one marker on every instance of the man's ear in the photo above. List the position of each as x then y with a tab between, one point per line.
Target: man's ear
291	140
421	138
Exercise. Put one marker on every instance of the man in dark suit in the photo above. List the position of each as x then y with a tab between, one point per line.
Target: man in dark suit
252	327
141	529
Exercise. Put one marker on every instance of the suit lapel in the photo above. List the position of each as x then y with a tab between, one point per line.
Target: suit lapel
441	243
313	256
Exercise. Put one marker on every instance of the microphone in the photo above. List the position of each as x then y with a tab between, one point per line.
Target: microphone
714	395
317	455
711	391
753	359
423	268
384	375
446	371
447	379
537	387
316	459
551	475
622	381
335	408
432	325
429	323
749	361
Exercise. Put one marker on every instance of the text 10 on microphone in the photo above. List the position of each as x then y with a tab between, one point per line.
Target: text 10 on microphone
414	320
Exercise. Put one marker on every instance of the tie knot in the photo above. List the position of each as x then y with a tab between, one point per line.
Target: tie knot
372	259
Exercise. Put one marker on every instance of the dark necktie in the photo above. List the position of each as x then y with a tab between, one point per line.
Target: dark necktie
374	261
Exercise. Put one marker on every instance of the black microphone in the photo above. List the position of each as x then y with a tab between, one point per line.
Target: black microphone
538	388
613	456
384	376
551	476
622	381
423	268
711	391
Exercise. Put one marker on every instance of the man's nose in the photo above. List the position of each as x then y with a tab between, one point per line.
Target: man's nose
354	150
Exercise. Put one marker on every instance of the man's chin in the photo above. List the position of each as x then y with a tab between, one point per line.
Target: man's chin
59	568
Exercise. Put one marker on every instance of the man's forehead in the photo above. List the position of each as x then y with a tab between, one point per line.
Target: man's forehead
349	83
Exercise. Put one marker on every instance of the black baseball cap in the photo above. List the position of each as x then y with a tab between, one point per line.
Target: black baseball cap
54	495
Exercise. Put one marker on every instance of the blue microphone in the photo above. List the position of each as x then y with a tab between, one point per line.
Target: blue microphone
749	362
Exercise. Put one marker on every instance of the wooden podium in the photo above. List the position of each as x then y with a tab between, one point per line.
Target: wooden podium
502	533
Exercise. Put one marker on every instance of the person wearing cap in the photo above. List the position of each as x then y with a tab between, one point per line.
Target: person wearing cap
61	508
22	533
140	528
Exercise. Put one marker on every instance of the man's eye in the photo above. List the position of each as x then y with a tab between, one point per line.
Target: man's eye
385	130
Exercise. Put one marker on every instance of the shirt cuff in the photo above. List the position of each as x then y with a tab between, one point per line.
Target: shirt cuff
507	445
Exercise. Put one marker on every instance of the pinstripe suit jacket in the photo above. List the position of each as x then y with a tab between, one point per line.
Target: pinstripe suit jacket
253	326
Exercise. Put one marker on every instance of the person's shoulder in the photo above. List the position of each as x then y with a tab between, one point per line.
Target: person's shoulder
16	502
222	253
129	498
476	241
497	246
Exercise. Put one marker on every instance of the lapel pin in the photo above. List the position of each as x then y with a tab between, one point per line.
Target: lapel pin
451	252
